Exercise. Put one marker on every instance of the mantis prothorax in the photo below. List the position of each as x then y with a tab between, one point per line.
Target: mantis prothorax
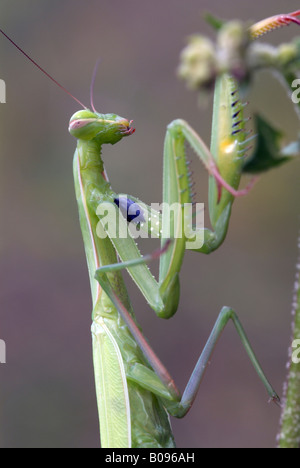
134	390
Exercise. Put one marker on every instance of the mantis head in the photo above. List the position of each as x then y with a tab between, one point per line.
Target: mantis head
108	128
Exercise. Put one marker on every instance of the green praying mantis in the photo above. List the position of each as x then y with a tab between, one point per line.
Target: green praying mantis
135	392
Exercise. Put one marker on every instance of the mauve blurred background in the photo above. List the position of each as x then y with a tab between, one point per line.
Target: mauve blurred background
47	396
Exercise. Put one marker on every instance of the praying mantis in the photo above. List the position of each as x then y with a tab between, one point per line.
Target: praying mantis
135	392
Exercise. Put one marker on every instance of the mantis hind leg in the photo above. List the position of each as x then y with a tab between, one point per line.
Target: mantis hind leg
159	381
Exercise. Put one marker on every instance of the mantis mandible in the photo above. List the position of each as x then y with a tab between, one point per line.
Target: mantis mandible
135	392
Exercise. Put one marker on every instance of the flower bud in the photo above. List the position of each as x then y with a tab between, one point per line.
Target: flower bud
198	63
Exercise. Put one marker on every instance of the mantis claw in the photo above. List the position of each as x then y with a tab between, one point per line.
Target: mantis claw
221	183
275	399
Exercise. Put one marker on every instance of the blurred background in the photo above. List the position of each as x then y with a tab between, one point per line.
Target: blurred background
47	396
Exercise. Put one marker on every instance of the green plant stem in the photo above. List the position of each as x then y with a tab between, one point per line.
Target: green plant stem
289	436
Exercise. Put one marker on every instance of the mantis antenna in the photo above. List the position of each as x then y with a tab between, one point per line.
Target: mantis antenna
42	70
93	85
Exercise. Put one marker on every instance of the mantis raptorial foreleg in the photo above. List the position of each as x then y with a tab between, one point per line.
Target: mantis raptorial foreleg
223	164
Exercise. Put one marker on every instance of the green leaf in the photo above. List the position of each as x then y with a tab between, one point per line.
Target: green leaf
213	21
268	153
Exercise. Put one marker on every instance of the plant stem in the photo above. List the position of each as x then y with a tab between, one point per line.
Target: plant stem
289	436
